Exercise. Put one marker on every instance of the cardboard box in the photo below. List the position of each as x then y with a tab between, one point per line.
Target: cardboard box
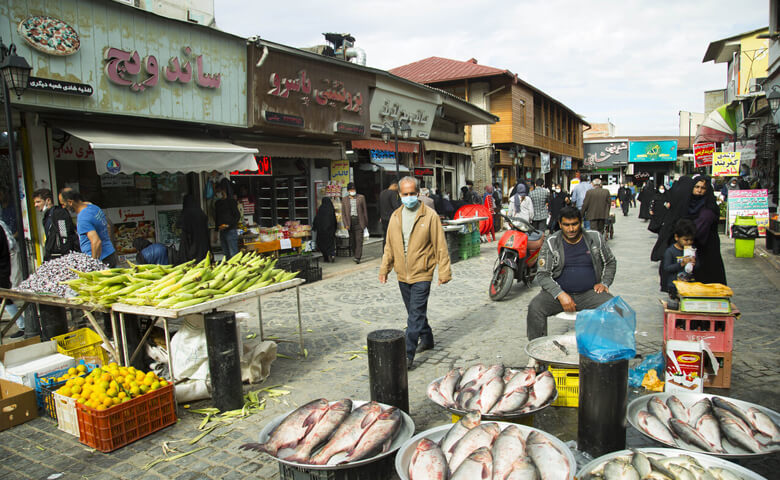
685	365
17	404
20	363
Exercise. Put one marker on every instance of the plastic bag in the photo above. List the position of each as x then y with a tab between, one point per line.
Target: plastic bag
365	233
606	334
744	232
637	374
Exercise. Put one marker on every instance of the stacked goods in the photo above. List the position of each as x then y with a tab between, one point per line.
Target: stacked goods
49	277
472	449
180	286
495	390
112	385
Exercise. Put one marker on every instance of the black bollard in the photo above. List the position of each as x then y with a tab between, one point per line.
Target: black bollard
224	360
602	406
54	321
387	368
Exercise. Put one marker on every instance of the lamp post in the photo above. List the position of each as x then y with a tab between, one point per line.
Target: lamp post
406	132
15	72
773	98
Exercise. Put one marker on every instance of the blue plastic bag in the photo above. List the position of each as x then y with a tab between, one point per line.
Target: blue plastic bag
606	334
650	362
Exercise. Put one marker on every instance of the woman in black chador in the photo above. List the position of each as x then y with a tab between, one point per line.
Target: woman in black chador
325	225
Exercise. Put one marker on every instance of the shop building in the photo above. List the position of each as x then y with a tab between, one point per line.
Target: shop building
637	159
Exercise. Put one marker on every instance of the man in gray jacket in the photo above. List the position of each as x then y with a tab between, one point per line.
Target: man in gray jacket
575	270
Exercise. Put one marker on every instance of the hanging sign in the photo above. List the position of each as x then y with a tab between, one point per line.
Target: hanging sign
749	202
350	128
59	86
702	153
283	119
339	172
263	168
545	162
566	162
725	164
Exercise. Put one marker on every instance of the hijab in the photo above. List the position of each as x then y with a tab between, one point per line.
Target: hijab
326	216
707	200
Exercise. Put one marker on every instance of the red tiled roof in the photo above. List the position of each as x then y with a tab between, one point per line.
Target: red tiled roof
438	69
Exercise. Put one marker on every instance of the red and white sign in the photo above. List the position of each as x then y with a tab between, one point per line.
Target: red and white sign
702	153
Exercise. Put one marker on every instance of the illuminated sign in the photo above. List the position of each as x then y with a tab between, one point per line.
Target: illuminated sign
351	128
423	172
263	168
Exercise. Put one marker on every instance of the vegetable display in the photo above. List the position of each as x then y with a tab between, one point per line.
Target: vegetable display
49	276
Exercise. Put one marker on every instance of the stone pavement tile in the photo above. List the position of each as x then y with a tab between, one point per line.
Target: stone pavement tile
190	475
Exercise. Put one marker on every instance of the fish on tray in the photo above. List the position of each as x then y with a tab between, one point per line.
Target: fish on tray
649	465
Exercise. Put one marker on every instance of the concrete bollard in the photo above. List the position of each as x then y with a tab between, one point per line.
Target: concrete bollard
387	368
602	406
224	360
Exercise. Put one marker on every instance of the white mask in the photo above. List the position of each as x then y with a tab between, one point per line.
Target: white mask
352	193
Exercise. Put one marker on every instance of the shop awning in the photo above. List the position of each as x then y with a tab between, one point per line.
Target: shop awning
431	145
719	126
376	166
120	152
406	147
298	150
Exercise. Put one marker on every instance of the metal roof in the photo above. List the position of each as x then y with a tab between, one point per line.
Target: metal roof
721	51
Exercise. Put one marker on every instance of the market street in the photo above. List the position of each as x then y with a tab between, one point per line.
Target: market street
340	311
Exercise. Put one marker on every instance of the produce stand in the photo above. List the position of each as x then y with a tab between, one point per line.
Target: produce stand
273	246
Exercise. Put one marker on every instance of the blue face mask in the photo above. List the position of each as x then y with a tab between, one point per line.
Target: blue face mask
410	201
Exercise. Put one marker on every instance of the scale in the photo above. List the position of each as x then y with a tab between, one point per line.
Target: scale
705	305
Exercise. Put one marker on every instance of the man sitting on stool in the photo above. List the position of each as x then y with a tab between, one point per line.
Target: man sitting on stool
575	269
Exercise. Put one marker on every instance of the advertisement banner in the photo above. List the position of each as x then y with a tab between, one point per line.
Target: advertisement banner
749	202
725	164
748	151
545	162
339	172
566	162
605	154
130	223
653	151
168	217
702	153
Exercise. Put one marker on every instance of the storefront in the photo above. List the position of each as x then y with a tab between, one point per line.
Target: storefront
652	160
607	160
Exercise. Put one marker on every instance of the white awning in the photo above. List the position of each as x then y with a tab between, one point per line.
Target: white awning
446	147
119	152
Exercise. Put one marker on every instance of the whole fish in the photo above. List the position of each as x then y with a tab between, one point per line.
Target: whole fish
473	402
689	434
723	474
641	464
701	473
478	465
651	425
523	468
620	470
464	397
511	401
659	467
293	428
471	373
509	446
736	434
551	462
486	376
456	432
519	378
709	428
677	408
728	406
480	436
349	432
428	462
448	386
335	414
490	394
722	415
699	409
434	393
681	473
378	437
660	410
763	424
543	391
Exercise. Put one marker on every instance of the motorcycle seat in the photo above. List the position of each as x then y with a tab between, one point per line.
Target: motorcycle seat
534	236
535	241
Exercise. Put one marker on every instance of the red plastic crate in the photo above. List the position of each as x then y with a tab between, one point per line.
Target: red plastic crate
717	331
110	429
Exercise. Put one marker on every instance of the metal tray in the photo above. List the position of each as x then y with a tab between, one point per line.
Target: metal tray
532	349
487	416
435	434
706	461
688	399
404	434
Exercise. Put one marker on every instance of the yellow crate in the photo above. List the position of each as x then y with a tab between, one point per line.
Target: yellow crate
82	343
567	381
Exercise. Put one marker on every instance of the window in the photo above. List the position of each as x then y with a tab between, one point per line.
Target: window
538	120
547	119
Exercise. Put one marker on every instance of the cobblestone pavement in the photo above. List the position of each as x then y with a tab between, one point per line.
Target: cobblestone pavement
341	310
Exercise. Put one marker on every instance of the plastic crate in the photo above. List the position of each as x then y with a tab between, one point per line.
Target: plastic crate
312	274
723	378
125	423
67	419
567	381
83	343
717	331
44	388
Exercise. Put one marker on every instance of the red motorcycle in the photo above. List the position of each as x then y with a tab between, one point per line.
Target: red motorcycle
518	251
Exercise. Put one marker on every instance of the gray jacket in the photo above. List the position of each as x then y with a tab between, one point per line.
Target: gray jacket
551	261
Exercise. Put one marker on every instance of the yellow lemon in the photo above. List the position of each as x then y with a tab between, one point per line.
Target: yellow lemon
75	389
126	399
107	402
116	401
72	371
163	383
81	368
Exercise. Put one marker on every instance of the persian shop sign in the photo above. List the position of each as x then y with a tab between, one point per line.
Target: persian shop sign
601	155
128	69
660	151
332	93
263	168
702	153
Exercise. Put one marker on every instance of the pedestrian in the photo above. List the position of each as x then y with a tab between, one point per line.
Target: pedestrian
325	226
558	199
520	206
425	198
92	228
472	197
195	242
7	210
415	246
15	273
596	206
645	199
624	195
678	264
579	191
733	184
354	215
150	253
659	207
389	201
575	270
60	235
226	218
540	198
633	194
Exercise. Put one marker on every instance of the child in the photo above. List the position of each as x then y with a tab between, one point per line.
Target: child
679	258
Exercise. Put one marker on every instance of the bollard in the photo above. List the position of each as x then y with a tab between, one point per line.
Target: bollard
53	321
224	360
602	406
387	368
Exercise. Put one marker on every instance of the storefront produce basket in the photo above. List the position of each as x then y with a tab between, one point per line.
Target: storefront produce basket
46	386
82	343
67	418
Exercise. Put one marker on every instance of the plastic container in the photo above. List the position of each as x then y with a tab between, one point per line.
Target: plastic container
125	423
82	343
44	388
567	381
717	331
745	247
67	419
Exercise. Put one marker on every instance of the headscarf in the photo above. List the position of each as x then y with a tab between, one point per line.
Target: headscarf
697	202
324	213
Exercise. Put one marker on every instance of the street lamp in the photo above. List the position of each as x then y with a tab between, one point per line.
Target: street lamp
773	98
406	132
16	70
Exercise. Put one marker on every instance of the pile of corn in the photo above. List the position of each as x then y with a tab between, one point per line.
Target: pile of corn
177	287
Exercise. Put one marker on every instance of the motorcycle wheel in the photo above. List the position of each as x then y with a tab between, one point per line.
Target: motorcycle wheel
501	284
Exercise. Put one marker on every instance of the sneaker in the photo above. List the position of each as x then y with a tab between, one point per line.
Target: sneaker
17	334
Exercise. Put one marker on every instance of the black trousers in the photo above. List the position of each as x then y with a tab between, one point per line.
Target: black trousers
624	206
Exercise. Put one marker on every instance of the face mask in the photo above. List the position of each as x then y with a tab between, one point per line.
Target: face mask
557	190
352	193
661	190
410	201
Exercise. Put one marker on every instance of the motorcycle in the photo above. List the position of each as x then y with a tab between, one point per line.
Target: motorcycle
518	251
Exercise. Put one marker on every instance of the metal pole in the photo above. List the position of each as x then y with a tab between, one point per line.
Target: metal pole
15	181
395	136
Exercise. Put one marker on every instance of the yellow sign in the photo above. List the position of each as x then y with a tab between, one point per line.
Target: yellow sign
725	164
339	172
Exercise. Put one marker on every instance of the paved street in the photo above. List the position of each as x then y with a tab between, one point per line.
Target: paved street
341	310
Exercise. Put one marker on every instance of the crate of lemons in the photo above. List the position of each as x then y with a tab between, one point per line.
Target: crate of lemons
108	386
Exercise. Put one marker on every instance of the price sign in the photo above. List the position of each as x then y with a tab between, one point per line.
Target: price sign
725	164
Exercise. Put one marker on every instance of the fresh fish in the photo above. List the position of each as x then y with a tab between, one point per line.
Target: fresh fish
464	398
523	468
551	462
620	470
709	429
428	462
726	405
509	446
763	424
690	435
677	408
448	385
471	373
544	389
349	432
722	415
659	409
684	461
335	414
652	426
511	401
482	435
660	468
490	394
456	432
701	473
641	464
434	393
723	474
519	378
681	473
738	436
378	437
478	465
473	403
699	409
292	429
486	376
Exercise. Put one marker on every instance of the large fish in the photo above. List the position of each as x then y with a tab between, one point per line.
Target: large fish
722	415
544	389
689	434
477	466
472	373
335	414
699	409
763	424
511	401
709	428
349	432
677	408
723	474
659	409
480	436
681	473
428	462
641	464
434	393
509	446
652	426
378	437
620	470
736	434
448	386
726	405
293	428
490	394
519	378
551	462
465	397
456	432
485	376
523	468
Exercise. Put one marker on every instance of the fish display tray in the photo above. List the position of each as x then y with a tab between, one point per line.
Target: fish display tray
707	461
435	434
544	350
404	433
688	399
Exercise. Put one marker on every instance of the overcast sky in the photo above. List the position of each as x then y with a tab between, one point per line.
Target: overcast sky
636	63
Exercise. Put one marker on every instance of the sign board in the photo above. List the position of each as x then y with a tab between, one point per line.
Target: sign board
59	86
652	151
748	151
725	164
264	168
545	162
749	202
339	172
423	172
702	153
388	106
130	223
167	218
566	162
605	154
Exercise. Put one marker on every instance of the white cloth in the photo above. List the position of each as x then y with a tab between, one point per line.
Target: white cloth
526	211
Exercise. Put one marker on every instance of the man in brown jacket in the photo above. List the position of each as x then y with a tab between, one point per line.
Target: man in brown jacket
415	245
354	214
596	206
